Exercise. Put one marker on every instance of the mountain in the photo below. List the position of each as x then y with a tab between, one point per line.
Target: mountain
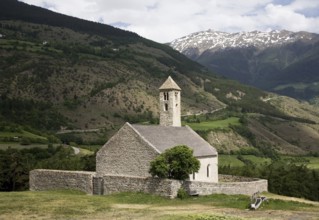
84	75
84	80
278	61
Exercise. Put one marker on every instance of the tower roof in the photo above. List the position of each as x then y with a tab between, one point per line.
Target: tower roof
169	84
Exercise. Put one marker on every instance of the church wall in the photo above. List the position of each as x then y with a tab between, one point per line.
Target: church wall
41	179
126	153
208	170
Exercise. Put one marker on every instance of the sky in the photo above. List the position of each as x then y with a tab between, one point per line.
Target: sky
166	20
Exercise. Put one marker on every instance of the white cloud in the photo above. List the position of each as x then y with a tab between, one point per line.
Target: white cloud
165	20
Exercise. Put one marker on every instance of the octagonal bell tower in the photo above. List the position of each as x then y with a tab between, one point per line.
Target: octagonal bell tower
170	103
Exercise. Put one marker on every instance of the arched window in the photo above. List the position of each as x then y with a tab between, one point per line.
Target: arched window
166	107
208	170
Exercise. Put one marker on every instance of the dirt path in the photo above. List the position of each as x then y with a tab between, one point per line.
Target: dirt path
273	196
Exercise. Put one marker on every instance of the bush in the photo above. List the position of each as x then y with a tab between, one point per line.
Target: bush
175	163
182	194
25	141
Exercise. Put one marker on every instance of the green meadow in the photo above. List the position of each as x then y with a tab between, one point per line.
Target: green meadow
217	124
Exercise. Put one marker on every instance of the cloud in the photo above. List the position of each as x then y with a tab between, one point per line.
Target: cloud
166	20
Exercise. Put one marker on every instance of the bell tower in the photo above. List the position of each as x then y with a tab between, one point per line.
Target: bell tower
170	103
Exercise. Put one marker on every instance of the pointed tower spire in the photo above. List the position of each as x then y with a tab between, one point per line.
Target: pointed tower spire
169	84
170	103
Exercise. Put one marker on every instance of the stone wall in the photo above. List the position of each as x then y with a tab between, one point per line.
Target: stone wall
247	187
232	178
169	188
162	187
61	179
91	184
126	153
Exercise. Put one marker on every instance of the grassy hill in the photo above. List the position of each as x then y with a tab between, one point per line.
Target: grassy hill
76	205
59	72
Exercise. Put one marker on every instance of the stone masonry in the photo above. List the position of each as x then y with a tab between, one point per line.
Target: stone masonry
89	183
248	187
41	179
126	154
163	187
170	103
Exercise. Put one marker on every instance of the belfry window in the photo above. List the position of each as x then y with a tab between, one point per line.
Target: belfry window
166	97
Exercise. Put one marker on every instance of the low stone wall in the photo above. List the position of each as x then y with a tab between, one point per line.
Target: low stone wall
91	184
249	187
162	187
60	179
231	178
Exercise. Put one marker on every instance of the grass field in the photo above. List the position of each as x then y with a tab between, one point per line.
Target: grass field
221	124
232	160
22	134
313	162
224	160
76	205
15	145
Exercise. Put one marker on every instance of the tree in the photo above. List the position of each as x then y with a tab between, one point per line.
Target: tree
175	163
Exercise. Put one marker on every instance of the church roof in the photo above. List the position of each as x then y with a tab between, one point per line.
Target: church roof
169	84
165	137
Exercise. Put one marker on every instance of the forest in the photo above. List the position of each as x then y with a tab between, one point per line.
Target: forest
15	164
285	177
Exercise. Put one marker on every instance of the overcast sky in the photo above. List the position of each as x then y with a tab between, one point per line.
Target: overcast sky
166	20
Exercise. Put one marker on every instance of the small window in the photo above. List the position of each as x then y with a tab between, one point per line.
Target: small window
208	170
166	107
193	175
166	97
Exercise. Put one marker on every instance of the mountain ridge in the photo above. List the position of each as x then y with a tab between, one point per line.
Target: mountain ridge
217	40
274	61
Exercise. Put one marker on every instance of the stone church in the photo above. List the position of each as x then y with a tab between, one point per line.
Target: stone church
123	163
130	151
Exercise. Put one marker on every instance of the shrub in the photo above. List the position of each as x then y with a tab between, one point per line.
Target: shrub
182	194
175	163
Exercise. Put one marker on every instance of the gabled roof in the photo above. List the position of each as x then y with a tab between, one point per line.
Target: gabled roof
169	84
165	137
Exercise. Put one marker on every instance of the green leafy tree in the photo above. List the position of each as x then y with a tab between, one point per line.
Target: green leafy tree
175	163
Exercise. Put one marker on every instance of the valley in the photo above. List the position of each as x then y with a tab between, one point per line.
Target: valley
66	83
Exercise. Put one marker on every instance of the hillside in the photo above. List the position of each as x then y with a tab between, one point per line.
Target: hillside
59	72
278	61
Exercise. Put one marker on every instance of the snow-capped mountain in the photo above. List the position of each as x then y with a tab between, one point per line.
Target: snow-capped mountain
279	61
214	40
